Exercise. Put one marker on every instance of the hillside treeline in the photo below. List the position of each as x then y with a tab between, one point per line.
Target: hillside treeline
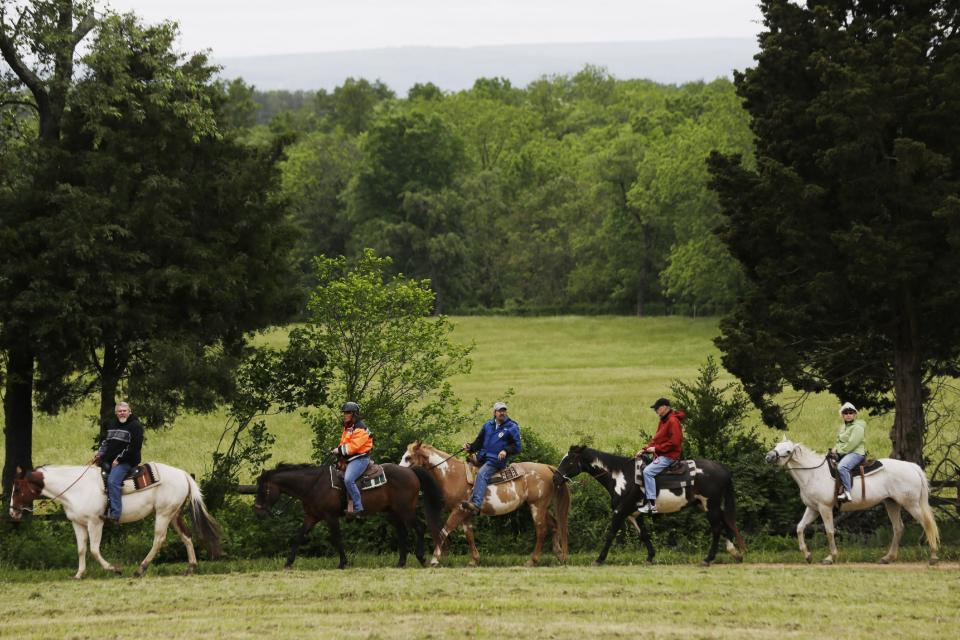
579	193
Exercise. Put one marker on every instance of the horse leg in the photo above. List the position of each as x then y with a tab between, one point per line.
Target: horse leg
893	512
456	518
401	542
181	528
81	533
555	537
644	535
540	524
474	553
333	523
95	529
827	516
308	522
809	516
159	535
420	531
615	525
716	527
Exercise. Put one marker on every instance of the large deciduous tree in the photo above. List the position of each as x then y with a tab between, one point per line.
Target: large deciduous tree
148	242
848	228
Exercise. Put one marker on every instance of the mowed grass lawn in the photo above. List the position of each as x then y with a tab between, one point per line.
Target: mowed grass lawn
726	601
572	377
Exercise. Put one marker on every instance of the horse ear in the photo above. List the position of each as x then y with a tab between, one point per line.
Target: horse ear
784	438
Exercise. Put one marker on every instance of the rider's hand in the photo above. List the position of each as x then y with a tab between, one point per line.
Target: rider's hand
502	455
466	447
116	462
335	450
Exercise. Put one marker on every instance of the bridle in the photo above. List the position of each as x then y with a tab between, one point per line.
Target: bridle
789	456
576	456
17	483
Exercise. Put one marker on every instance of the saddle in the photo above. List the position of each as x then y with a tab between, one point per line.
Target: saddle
137	479
508	474
680	475
869	467
372	478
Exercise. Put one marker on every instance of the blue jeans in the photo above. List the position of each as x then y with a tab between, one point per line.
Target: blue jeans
848	463
481	481
114	487
650	475
355	469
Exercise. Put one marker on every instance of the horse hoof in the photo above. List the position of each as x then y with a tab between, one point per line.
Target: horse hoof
808	558
79	576
650	561
116	570
883	560
827	560
598	563
472	563
289	567
190	569
530	563
704	563
934	561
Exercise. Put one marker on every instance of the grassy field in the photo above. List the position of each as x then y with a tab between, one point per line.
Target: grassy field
571	376
725	601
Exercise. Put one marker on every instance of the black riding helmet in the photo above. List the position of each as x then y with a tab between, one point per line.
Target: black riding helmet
352	407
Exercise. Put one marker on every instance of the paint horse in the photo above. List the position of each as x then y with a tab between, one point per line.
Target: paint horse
712	491
318	488
80	490
897	485
534	487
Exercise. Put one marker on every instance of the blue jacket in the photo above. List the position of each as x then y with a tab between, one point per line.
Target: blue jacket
493	439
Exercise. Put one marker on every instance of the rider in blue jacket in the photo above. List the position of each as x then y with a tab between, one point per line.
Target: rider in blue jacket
498	438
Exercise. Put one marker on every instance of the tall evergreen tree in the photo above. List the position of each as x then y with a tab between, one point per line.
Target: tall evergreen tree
849	227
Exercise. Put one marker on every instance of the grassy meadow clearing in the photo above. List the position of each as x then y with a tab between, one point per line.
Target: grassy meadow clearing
727	601
572	377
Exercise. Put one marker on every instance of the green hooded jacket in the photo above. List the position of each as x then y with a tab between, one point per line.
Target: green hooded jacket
850	438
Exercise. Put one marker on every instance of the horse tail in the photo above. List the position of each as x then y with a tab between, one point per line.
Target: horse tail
730	513
206	528
432	502
561	504
927	519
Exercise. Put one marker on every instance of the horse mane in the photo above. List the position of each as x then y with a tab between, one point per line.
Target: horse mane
287	466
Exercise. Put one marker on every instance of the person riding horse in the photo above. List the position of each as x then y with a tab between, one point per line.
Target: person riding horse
666	445
498	438
119	452
849	448
355	445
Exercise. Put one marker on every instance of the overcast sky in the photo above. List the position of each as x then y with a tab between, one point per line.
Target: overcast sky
246	27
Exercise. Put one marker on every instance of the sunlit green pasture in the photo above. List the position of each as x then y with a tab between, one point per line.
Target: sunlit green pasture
622	601
572	377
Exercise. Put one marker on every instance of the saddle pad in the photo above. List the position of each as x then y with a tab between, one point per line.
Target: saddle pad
504	475
143	477
372	478
870	467
675	479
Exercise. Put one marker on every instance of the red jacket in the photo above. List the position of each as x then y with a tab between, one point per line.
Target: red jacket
669	437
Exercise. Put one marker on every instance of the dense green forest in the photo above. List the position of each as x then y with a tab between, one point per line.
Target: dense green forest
579	193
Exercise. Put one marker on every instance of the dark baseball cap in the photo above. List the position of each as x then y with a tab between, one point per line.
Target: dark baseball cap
661	402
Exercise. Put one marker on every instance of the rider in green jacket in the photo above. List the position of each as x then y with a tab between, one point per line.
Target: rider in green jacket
849	447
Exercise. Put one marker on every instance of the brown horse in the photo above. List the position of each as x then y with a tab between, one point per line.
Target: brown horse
397	499
534	487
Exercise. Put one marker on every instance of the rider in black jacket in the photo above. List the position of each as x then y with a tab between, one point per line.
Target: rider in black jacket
119	452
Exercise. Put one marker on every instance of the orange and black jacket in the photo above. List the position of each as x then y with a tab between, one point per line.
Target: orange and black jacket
355	442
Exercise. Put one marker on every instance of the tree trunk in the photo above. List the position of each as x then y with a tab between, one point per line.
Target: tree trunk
18	412
908	429
109	381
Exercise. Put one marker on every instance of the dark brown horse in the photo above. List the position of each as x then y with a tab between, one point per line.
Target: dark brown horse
397	499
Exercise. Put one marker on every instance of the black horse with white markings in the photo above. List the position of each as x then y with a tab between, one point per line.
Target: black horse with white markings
710	488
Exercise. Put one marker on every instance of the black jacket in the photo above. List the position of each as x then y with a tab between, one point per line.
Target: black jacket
121	441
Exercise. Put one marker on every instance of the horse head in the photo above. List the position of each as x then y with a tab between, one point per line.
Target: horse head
416	455
782	452
267	495
570	465
27	487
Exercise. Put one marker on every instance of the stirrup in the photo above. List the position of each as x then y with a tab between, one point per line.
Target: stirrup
648	508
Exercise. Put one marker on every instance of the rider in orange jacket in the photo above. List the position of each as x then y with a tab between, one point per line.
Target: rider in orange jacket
355	445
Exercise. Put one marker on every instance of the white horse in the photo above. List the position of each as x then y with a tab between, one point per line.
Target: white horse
898	484
80	491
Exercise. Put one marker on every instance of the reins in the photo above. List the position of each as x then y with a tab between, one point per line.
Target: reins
452	455
822	462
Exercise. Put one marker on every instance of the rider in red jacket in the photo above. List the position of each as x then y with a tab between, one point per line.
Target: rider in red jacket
666	446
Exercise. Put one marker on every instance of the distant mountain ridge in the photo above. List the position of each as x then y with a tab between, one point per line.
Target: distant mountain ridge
454	69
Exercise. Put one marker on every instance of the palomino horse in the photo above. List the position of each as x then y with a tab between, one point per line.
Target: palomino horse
322	500
534	487
80	491
712	492
898	484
